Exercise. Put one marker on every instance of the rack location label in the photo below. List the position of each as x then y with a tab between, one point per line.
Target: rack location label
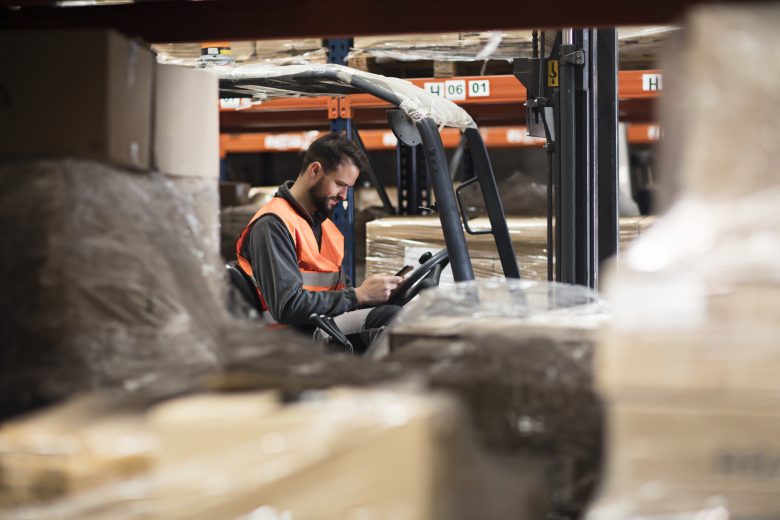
651	82
434	88
479	88
455	89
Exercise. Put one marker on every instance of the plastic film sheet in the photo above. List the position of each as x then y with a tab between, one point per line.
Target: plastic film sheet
340	454
505	45
688	366
277	52
285	81
114	293
639	46
519	354
110	280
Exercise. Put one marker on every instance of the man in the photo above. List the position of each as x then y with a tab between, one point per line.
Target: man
294	251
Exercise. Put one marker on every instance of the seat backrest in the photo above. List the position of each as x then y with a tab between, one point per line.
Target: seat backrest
244	284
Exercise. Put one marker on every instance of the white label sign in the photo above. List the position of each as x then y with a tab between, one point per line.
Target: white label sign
437	89
651	82
516	135
455	89
479	88
235	103
654	132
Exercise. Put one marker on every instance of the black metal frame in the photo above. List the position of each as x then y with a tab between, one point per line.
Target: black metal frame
581	145
436	162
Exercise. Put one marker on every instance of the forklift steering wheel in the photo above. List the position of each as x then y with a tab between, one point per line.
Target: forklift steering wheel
426	275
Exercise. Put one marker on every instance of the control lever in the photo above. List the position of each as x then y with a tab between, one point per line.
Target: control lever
327	324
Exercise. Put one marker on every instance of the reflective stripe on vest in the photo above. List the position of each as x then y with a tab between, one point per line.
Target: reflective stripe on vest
321	279
319	264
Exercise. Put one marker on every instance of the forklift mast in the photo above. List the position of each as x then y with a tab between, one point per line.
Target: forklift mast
571	80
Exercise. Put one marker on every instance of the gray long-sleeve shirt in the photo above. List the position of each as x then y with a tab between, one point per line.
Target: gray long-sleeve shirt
271	251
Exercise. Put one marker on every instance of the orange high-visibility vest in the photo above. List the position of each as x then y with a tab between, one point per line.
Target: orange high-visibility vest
320	266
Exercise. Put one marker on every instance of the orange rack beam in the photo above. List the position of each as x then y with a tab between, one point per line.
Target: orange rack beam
491	100
494	137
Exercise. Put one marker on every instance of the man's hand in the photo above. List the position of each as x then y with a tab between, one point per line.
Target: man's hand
376	289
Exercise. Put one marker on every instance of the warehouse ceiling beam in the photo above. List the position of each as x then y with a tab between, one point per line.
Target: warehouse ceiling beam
185	21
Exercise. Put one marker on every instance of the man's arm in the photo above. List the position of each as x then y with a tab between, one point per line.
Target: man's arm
275	265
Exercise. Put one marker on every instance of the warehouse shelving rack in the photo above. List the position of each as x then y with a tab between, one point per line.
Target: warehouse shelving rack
489	99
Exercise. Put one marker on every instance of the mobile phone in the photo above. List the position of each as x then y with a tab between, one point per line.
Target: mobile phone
404	270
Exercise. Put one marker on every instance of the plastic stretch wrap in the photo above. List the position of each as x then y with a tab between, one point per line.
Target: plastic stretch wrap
495	45
519	354
109	280
689	366
281	81
107	285
340	454
277	52
393	242
638	45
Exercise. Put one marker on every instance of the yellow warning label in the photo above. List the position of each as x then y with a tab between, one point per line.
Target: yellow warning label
552	73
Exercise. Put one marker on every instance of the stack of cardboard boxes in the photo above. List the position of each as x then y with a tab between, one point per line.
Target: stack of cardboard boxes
98	95
340	454
689	365
393	242
109	212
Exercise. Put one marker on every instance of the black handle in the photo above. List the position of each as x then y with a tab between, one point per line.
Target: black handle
327	324
463	215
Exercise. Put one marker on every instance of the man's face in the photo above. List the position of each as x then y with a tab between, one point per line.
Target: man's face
331	187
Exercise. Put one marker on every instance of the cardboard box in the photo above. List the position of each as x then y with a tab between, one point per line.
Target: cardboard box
355	454
346	454
84	94
689	451
677	334
233	193
186	122
393	242
80	444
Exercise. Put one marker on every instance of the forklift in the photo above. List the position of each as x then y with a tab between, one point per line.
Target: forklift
415	121
571	80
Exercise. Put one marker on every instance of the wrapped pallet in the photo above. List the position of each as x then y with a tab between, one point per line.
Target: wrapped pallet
688	367
65	450
340	454
519	355
638	46
277	52
393	242
112	281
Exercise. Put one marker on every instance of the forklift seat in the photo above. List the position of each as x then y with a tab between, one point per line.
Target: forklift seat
245	285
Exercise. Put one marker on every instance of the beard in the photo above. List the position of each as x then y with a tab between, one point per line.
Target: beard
322	202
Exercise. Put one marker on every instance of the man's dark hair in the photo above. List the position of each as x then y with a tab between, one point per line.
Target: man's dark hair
331	150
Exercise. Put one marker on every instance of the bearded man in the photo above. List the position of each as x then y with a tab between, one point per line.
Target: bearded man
294	251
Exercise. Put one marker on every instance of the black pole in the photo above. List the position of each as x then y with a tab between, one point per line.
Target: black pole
457	157
495	210
587	164
373	178
454	237
556	178
567	142
549	149
607	174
